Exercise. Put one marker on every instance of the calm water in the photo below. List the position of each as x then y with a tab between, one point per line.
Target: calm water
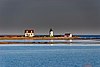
84	54
50	56
89	36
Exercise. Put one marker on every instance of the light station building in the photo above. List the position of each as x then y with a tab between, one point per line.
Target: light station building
29	33
68	35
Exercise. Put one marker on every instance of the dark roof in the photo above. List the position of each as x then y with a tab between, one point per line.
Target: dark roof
51	29
67	33
29	31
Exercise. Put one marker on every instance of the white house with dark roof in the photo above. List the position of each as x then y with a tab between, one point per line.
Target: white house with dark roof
29	33
68	35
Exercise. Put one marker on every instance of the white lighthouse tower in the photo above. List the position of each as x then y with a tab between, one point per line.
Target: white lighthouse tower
51	33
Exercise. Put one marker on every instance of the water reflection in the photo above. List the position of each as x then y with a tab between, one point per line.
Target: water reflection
70	40
50	42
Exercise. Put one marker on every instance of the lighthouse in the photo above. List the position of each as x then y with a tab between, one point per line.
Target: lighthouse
51	33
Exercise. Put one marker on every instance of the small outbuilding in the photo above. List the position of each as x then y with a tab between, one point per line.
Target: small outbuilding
68	35
29	33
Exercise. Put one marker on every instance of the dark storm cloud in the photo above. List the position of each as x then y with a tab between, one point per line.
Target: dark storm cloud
76	16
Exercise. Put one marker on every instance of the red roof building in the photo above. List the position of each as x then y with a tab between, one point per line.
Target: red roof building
68	35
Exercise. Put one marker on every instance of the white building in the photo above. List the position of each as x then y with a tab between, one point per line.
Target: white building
70	35
51	33
29	33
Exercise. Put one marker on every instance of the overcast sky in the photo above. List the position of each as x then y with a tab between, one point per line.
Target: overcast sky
75	16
